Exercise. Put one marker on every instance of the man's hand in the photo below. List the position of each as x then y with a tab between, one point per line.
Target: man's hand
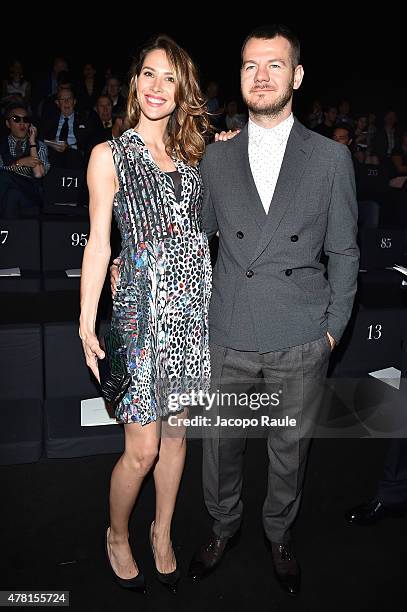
226	135
32	133
332	341
114	275
30	161
61	147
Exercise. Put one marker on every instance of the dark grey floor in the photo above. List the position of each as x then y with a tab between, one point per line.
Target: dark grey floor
53	515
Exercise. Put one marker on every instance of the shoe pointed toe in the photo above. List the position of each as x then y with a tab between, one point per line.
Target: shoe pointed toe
169	580
366	514
137	583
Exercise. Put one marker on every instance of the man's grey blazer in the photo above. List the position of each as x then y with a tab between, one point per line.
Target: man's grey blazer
270	290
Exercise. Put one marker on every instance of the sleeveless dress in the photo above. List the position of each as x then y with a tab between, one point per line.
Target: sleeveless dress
165	276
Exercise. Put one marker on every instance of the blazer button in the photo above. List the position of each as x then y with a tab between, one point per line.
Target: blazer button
294	238
249	273
239	234
288	272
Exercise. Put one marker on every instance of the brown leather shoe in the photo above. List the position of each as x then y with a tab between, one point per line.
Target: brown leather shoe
286	568
209	555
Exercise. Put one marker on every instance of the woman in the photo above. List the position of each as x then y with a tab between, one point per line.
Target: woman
149	176
15	85
88	88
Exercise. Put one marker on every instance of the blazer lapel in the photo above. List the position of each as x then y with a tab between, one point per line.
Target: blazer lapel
241	164
296	155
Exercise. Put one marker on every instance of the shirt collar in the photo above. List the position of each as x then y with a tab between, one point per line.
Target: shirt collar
14	140
279	134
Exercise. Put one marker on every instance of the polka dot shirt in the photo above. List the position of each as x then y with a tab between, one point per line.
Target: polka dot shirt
266	152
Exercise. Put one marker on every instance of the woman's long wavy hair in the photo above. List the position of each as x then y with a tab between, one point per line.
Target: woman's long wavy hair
189	123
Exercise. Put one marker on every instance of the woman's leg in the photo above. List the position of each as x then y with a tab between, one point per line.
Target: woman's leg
167	475
141	448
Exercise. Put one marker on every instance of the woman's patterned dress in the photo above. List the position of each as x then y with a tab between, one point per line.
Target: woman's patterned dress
162	298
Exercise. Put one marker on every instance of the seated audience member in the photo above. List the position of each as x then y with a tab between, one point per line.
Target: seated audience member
344	115
15	85
119	122
399	157
113	86
315	117
46	84
361	132
214	106
326	128
100	122
23	162
344	134
398	181
371	130
70	129
233	119
88	89
369	209
48	106
386	139
103	128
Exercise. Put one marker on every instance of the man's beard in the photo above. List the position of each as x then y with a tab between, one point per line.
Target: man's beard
273	109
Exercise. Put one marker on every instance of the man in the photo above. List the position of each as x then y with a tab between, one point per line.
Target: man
103	110
23	162
326	128
68	127
113	91
100	122
278	195
343	134
46	84
387	138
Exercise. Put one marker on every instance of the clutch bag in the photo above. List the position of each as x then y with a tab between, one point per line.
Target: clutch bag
114	375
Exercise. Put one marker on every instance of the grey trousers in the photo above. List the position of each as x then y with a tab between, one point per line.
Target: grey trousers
299	374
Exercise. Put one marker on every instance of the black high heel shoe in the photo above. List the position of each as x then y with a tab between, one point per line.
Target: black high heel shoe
170	581
138	583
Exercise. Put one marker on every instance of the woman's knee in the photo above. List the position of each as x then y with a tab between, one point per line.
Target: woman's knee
142	458
173	438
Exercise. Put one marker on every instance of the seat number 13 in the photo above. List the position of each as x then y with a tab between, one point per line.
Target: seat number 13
375	332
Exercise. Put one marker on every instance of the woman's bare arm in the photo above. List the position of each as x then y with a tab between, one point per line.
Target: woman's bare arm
102	184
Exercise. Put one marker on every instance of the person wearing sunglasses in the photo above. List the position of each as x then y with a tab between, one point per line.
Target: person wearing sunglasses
23	162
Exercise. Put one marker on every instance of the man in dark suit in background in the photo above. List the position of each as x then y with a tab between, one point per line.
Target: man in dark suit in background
100	122
69	130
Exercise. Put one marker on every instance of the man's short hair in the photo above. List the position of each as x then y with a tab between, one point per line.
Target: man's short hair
67	88
267	32
12	107
101	97
345	126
